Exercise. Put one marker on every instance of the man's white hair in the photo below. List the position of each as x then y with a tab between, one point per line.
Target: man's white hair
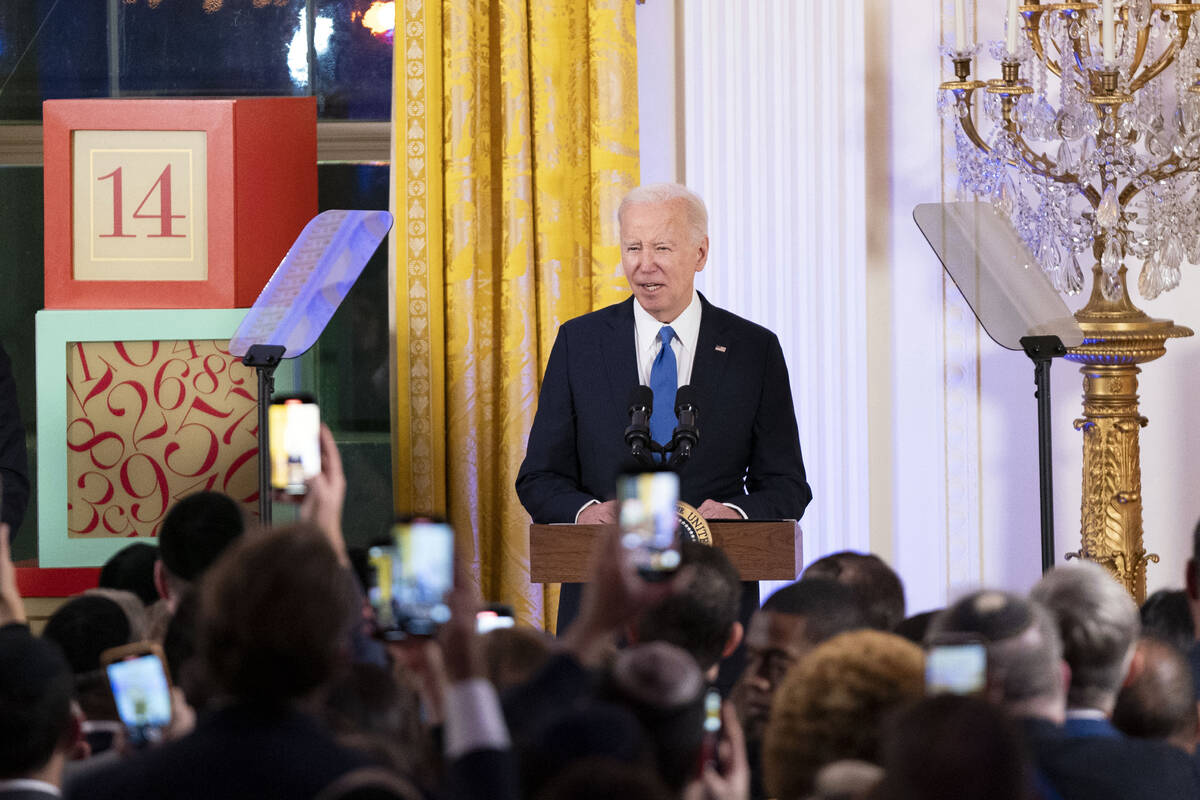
1099	624
697	214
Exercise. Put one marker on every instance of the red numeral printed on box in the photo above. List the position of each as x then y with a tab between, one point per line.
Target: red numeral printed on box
164	216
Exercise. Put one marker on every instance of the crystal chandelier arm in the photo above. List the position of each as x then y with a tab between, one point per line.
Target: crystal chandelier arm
963	98
1034	34
1139	53
1183	19
1039	164
1164	59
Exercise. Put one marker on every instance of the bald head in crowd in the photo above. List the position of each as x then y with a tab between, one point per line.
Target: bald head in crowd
1024	654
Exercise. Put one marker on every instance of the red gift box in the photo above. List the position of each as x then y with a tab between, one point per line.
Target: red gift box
174	203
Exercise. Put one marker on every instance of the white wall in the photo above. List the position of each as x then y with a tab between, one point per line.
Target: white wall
811	130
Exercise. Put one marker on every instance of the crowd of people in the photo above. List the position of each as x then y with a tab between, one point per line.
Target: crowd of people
279	688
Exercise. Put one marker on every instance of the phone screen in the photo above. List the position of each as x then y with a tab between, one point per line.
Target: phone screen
143	696
412	577
956	668
487	621
649	521
712	728
295	442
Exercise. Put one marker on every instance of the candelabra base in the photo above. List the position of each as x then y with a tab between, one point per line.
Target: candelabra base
1118	337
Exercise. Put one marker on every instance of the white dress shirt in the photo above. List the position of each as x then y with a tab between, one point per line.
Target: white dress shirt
687	334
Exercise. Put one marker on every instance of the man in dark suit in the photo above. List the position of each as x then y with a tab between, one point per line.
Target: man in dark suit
747	462
38	728
1099	626
1028	678
14	461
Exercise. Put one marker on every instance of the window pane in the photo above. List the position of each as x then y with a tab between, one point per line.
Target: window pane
213	47
353	45
65	49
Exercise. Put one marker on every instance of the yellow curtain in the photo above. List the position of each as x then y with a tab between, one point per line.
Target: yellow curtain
515	126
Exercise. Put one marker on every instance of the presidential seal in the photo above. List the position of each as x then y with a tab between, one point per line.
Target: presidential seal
692	526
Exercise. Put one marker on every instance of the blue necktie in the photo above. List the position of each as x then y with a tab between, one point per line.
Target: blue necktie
664	381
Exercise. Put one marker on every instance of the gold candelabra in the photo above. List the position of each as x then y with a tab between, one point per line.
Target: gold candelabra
1111	177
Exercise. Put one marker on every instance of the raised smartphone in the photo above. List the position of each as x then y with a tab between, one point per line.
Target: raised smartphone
956	668
649	521
412	576
295	442
141	687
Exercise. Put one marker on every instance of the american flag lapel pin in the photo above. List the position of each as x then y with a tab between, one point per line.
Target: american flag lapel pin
720	348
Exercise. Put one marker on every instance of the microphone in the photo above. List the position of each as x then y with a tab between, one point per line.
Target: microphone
637	435
686	433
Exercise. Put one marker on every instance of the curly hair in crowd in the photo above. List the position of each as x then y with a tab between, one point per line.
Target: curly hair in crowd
831	704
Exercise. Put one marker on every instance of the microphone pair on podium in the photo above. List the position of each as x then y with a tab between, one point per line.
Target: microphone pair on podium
683	439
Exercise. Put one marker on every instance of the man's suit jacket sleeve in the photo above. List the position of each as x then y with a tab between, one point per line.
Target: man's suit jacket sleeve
775	479
549	481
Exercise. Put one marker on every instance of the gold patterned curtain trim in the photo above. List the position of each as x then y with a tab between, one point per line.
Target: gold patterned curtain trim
417	262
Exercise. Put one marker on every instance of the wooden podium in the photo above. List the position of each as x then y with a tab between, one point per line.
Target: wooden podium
761	551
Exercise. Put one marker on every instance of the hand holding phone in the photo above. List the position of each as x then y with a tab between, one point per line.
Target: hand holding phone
295	444
727	774
141	687
412	577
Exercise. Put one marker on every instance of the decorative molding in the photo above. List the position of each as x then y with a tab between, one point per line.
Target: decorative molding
416	262
21	145
354	141
962	399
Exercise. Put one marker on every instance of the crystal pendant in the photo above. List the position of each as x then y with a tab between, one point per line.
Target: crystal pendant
1159	274
1064	161
1150	278
1110	260
947	106
1170	278
1110	286
1173	253
1042	119
1068	124
1193	247
1051	261
1072	275
1108	213
1005	196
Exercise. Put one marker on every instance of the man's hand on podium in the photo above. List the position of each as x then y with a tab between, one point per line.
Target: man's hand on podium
599	514
711	509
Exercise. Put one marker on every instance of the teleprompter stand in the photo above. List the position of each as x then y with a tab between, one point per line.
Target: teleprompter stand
264	358
1014	302
297	303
